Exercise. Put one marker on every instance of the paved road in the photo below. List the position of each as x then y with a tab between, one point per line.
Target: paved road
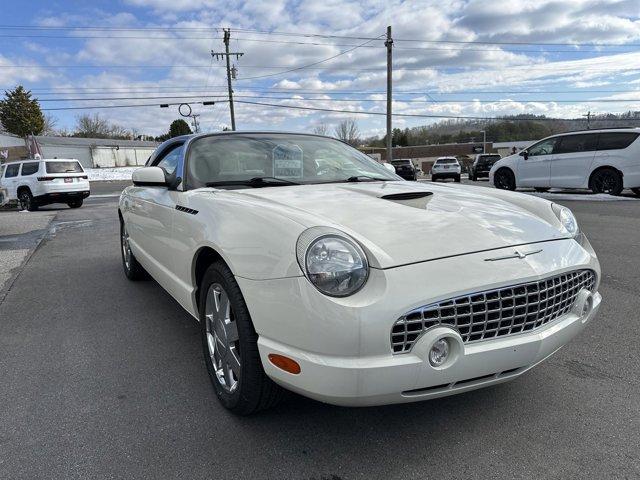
104	378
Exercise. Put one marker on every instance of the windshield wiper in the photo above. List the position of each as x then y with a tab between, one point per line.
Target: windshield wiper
255	182
365	178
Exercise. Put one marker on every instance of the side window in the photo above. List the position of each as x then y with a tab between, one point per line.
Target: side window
577	143
169	160
30	168
2	168
12	170
543	148
616	140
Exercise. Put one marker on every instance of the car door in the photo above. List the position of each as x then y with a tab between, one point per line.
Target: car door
534	164
149	219
572	160
11	180
612	151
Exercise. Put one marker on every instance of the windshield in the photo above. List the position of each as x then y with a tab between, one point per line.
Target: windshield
446	160
64	167
219	159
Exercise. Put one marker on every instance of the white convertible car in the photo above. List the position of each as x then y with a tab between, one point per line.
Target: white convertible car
314	269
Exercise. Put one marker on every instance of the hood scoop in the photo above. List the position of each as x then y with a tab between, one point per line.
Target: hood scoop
410	199
406	195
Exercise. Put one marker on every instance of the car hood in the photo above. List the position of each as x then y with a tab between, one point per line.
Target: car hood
408	222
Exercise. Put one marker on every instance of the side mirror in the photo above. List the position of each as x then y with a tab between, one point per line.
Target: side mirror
524	154
150	177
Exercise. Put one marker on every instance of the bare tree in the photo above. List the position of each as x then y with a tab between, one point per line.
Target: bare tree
94	126
50	123
321	129
347	131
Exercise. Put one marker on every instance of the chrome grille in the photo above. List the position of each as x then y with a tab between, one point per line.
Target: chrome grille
495	313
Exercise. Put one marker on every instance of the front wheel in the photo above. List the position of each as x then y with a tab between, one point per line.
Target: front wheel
606	180
457	179
636	191
472	177
434	178
541	189
504	180
132	269
75	203
230	345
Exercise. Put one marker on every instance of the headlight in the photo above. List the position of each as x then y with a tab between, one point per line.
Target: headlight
567	219
334	263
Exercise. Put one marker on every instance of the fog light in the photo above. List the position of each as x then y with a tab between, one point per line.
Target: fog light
587	306
439	352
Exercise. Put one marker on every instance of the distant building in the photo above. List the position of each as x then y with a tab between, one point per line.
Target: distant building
90	152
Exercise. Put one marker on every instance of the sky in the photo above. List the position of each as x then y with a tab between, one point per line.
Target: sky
451	58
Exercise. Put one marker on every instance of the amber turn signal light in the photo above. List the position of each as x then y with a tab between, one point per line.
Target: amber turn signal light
284	363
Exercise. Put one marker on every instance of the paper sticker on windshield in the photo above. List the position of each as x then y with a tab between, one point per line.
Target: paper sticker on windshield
287	161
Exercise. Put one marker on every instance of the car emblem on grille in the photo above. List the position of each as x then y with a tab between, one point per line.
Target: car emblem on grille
516	254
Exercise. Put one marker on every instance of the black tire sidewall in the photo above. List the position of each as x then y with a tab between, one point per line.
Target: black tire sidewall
619	185
510	184
244	396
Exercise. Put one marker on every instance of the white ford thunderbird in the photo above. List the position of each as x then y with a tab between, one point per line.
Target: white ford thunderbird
315	269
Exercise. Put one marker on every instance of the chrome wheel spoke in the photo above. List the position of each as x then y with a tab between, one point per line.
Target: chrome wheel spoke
222	337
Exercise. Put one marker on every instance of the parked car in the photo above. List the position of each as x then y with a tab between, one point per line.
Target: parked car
351	286
605	161
446	167
405	168
34	183
481	165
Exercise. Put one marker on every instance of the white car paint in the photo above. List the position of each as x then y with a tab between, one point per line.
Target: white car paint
446	167
420	250
546	167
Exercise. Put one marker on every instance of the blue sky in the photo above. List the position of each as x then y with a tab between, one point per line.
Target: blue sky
451	58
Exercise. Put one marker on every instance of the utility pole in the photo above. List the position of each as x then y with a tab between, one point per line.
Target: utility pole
226	54
389	44
588	115
195	122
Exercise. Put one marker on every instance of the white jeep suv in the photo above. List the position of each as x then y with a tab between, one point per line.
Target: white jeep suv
605	161
34	183
446	167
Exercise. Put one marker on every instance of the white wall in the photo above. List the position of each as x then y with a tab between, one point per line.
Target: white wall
123	157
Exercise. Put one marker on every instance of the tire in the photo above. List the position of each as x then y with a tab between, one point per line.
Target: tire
230	346
606	180
75	203
457	179
26	201
541	189
636	191
472	178
434	178
504	179
132	269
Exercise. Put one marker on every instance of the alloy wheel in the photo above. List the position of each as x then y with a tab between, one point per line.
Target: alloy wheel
605	182
222	337
126	248
25	201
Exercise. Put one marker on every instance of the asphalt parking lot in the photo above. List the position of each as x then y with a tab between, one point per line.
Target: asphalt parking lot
104	378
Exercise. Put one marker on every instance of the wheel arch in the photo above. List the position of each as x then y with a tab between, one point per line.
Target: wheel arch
22	188
203	258
604	167
509	169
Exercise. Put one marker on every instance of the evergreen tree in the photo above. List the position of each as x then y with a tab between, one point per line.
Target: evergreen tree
20	114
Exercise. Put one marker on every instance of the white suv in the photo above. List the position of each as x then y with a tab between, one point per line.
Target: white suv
446	167
34	183
605	161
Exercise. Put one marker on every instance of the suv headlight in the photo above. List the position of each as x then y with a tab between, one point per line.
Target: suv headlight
332	261
567	219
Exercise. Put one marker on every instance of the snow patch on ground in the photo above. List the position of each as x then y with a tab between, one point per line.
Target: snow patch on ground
106	174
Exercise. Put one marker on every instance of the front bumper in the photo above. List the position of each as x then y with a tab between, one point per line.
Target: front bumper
343	345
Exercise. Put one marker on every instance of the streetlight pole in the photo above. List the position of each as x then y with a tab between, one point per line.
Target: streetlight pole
389	44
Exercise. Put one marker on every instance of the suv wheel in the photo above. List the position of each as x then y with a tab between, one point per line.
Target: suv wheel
636	191
26	201
606	180
132	269
457	179
504	179
230	345
75	204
